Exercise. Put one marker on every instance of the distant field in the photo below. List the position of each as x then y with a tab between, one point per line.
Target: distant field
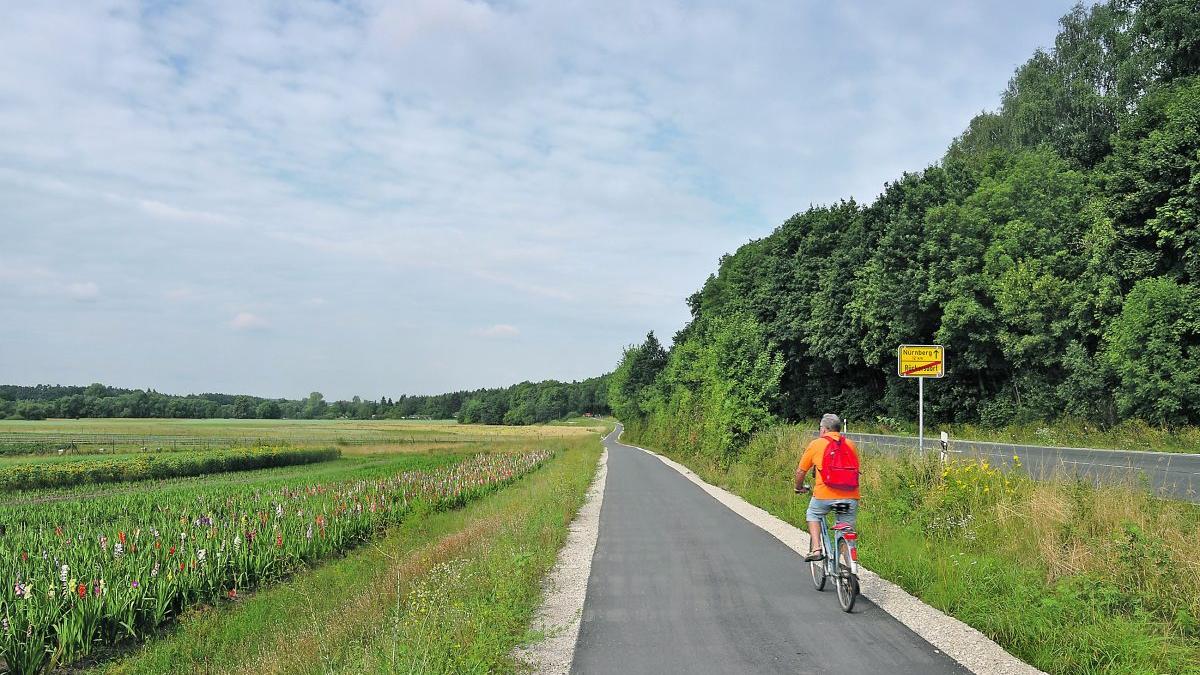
109	435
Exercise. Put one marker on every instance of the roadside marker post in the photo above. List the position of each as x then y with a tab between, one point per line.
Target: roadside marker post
921	361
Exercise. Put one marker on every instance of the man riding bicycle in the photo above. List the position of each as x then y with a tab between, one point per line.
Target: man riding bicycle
830	442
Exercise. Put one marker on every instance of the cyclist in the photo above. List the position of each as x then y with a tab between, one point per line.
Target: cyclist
824	496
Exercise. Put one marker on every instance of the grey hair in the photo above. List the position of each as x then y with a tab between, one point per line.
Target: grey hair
831	422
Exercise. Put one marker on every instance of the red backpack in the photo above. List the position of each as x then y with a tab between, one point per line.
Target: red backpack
839	468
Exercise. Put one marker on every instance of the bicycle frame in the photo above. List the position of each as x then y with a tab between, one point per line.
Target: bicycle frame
831	545
844	574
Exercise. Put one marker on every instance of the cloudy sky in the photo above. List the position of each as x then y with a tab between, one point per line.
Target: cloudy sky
385	197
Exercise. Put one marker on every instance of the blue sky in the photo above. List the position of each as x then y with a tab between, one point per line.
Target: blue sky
377	198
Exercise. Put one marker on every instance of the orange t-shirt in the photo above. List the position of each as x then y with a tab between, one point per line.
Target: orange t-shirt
814	454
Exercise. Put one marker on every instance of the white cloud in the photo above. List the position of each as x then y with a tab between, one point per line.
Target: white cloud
500	330
248	321
168	212
577	167
84	291
181	294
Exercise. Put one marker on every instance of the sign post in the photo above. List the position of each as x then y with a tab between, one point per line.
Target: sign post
921	361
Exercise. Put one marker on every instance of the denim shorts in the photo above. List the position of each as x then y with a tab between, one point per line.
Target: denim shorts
817	508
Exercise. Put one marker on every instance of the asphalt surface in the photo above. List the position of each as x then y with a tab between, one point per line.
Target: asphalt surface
1167	474
681	584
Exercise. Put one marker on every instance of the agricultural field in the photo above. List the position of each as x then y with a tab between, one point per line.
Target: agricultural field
89	469
95	571
86	436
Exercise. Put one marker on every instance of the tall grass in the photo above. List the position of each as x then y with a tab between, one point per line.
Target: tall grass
1128	435
1070	577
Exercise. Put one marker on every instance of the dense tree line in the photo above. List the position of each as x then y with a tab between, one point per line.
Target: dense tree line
535	402
524	403
1054	251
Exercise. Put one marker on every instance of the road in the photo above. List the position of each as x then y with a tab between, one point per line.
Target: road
681	584
1174	475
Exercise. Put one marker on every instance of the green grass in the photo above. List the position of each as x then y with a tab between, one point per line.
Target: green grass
106	469
1129	435
1069	577
447	592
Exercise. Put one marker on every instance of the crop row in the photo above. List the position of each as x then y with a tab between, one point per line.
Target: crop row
34	475
83	572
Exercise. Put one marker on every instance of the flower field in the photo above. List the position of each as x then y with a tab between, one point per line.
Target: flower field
151	466
85	572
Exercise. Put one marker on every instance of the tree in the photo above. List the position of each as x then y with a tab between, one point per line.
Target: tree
268	410
315	407
1154	348
243	407
633	377
1152	181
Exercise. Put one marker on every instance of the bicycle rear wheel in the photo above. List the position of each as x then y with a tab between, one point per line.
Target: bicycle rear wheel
847	583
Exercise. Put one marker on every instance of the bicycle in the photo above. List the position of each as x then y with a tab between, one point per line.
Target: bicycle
842	565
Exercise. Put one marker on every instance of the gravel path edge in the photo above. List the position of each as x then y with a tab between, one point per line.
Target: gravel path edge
565	587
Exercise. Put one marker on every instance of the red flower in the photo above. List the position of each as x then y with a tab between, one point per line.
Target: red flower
279	541
180	567
171	551
121	536
82	591
232	593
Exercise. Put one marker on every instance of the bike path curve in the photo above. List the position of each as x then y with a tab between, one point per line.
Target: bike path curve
681	584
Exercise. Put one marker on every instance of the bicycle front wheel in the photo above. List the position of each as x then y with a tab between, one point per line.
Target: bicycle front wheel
817	569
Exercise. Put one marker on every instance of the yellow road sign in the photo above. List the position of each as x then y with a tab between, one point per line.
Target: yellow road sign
921	361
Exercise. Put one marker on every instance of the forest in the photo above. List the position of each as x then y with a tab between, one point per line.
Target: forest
524	403
1054	251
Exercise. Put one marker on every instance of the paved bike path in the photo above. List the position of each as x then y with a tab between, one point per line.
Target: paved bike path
681	584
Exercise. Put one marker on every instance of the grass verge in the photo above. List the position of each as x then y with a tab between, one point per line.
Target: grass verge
1067	576
1067	432
448	592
